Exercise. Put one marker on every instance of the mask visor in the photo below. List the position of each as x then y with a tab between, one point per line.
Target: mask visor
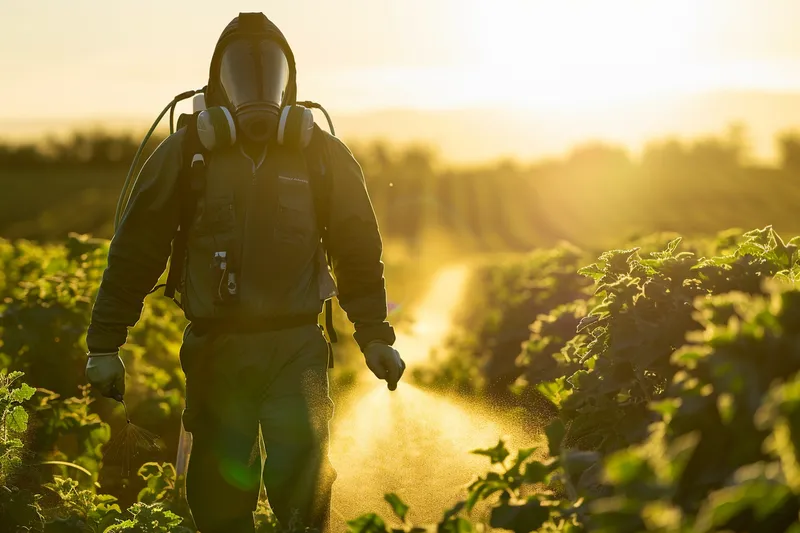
254	74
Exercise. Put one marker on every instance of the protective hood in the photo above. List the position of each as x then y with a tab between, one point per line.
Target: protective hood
257	24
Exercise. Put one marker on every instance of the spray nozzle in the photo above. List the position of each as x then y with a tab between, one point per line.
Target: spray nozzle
116	395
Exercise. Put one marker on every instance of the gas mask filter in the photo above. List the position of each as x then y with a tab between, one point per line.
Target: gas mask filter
216	126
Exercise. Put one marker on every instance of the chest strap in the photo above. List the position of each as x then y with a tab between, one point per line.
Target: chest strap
191	185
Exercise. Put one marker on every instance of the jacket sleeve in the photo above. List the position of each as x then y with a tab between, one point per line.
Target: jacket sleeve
139	250
355	247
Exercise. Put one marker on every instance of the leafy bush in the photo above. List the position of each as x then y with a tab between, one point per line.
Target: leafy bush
642	312
13	422
151	518
504	297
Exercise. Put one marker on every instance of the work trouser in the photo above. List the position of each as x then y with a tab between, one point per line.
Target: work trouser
234	382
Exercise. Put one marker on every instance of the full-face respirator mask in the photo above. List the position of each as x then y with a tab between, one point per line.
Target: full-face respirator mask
251	97
253	76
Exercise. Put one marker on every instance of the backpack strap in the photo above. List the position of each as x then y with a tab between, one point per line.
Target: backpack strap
191	184
321	181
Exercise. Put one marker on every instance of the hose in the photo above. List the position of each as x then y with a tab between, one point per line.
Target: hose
128	187
314	105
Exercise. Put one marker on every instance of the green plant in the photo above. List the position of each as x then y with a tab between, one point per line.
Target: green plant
13	421
518	490
642	311
684	410
19	506
505	296
80	509
165	487
68	430
150	518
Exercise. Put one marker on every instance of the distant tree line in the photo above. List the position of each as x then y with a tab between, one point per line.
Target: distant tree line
95	148
99	147
597	194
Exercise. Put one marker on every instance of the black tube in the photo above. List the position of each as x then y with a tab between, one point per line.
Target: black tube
314	105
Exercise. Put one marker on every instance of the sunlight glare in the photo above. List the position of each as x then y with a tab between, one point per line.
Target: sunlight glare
410	441
434	315
577	54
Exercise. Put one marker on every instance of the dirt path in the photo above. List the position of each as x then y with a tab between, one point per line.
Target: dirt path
411	441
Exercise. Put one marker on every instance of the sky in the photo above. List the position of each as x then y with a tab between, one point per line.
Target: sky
105	59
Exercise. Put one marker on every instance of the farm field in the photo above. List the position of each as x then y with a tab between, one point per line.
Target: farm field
636	367
594	328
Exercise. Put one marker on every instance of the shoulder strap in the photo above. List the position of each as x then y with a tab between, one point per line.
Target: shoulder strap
318	167
320	175
191	183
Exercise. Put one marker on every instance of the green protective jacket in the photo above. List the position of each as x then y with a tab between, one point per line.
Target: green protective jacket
264	219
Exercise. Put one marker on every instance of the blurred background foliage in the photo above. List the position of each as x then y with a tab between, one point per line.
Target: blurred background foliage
595	196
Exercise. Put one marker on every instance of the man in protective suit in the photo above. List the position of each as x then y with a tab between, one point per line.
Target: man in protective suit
253	354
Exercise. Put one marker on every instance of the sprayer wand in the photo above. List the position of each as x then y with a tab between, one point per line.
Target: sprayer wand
115	394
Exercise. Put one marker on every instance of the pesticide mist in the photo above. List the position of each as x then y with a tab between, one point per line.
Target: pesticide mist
411	441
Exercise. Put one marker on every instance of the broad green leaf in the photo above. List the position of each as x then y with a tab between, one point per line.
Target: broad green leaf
690	356
587	321
105	498
483	490
581	379
555	435
536	472
666	408
520	518
453	511
148	470
522	456
17	419
497	455
555	391
758	496
594	271
368	523
456	525
626	466
474	496
398	506
24	393
673	244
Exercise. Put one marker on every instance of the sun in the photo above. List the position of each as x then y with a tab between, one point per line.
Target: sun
573	54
